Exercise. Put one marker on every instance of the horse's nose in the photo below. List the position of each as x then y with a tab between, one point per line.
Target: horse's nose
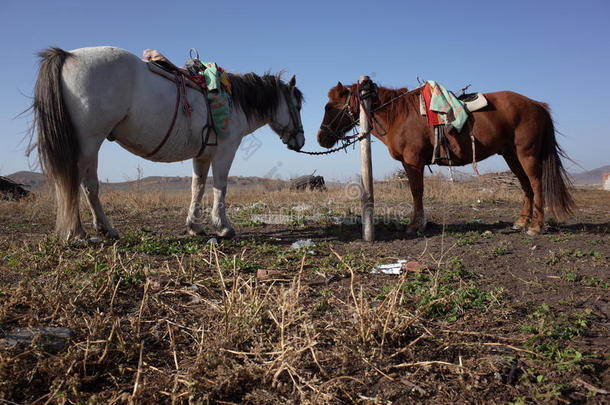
324	139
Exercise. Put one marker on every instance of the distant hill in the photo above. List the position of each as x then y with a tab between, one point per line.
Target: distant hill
35	181
30	179
591	177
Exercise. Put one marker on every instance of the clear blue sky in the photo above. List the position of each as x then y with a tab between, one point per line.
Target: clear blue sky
553	51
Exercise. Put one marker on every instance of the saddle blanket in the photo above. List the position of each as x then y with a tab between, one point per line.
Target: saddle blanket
208	76
442	107
216	80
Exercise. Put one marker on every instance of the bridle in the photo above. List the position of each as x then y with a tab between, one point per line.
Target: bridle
295	116
345	110
362	93
374	123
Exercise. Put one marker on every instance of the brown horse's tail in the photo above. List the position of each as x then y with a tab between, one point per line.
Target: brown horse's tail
58	148
555	180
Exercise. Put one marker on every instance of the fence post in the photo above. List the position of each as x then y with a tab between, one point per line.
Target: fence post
366	166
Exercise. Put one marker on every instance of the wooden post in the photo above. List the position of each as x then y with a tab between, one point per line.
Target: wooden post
366	166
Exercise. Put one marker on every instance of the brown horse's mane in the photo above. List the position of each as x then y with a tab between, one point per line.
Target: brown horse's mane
391	102
396	102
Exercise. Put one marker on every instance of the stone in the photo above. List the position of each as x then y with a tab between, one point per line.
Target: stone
51	339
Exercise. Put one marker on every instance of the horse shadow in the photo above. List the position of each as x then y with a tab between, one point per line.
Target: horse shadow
388	233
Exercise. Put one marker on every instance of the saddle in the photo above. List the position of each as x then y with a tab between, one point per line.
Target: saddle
473	101
441	153
159	64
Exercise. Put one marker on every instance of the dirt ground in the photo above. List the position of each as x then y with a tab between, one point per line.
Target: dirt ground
486	314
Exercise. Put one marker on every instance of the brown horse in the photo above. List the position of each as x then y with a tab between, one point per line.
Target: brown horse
512	125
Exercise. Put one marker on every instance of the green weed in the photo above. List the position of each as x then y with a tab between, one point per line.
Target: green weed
501	250
445	301
553	332
596	282
570	275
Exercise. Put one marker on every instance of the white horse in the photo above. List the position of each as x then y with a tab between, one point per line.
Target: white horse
85	96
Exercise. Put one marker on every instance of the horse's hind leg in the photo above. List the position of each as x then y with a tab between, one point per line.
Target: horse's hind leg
528	157
415	173
90	186
201	166
528	195
69	224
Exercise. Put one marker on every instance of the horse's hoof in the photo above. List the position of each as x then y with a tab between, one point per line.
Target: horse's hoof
111	234
195	230
415	230
78	237
226	233
411	230
520	226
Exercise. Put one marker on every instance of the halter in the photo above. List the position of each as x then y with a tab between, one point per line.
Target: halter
295	117
362	93
351	140
345	110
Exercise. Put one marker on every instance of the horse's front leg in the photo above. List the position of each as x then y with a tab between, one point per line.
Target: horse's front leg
194	220
220	168
415	173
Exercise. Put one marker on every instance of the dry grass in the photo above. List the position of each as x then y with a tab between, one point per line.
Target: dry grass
164	318
172	330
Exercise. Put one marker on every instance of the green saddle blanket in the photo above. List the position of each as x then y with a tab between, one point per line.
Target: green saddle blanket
219	91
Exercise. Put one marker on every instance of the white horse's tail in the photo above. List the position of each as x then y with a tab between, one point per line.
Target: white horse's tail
58	147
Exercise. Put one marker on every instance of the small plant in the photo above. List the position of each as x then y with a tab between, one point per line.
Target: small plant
552	258
445	301
570	275
553	332
501	250
596	282
454	270
229	264
450	304
578	253
323	304
383	292
467	239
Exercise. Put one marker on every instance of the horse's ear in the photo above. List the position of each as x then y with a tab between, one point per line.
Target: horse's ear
339	85
293	81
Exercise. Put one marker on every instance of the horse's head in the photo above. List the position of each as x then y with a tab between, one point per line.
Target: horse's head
286	121
339	115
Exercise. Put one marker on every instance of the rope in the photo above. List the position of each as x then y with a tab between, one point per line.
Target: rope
354	138
357	138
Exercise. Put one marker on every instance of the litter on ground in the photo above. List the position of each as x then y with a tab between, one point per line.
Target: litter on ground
398	267
302	243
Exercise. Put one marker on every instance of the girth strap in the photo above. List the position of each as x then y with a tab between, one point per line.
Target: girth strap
179	84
